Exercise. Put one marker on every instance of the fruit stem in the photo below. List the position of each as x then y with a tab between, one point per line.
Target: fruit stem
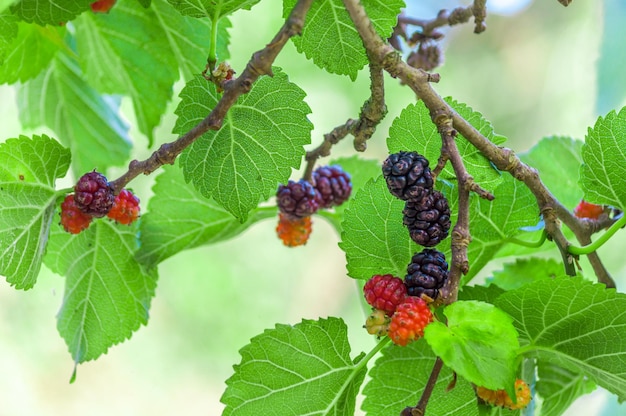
212	59
531	244
590	248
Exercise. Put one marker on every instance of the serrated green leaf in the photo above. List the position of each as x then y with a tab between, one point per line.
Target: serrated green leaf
399	377
524	271
413	130
603	173
28	170
557	159
107	293
49	12
20	62
4	4
261	139
574	324
487	294
213	9
559	388
180	218
189	38
139	60
479	342
330	39
88	123
295	370
373	237
8	33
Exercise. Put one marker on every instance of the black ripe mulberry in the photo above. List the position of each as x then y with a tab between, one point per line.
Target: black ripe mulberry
297	199
93	195
428	219
426	274
333	184
408	175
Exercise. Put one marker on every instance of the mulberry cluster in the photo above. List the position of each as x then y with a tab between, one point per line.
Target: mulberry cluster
297	201
93	198
426	215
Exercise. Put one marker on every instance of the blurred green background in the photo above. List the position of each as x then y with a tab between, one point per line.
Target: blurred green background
532	74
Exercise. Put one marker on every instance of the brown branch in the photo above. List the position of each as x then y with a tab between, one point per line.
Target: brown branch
450	18
504	159
372	113
420	408
565	2
259	64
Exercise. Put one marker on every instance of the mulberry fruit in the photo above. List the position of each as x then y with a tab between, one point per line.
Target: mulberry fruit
125	209
408	322
408	175
426	274
333	184
428	219
93	195
297	199
500	398
73	219
293	231
102	6
377	323
585	209
384	292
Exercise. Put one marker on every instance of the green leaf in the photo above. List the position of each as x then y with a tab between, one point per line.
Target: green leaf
479	343
559	388
88	123
330	39
294	370
261	139
4	4
213	9
145	3
413	130
189	38
487	294
107	293
373	237
28	170
49	12
399	377
574	324
524	271
179	218
20	63
139	60
558	160
603	173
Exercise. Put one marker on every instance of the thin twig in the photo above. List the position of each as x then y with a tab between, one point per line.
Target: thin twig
420	408
260	64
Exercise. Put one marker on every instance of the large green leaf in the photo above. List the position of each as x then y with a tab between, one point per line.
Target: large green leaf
573	324
479	343
26	49
330	39
28	170
295	370
399	377
189	38
180	218
413	130
49	12
603	173
526	270
213	9
107	293
128	52
88	123
261	139
559	388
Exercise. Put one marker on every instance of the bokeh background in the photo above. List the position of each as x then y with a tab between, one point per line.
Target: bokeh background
539	69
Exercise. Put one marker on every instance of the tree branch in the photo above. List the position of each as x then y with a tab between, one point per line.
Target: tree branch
260	64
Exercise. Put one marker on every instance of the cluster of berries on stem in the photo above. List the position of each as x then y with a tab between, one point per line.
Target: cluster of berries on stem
93	197
298	200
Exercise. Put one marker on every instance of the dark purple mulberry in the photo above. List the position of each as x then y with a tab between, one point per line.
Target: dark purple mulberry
297	199
408	175
93	195
428	219
426	274
333	184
